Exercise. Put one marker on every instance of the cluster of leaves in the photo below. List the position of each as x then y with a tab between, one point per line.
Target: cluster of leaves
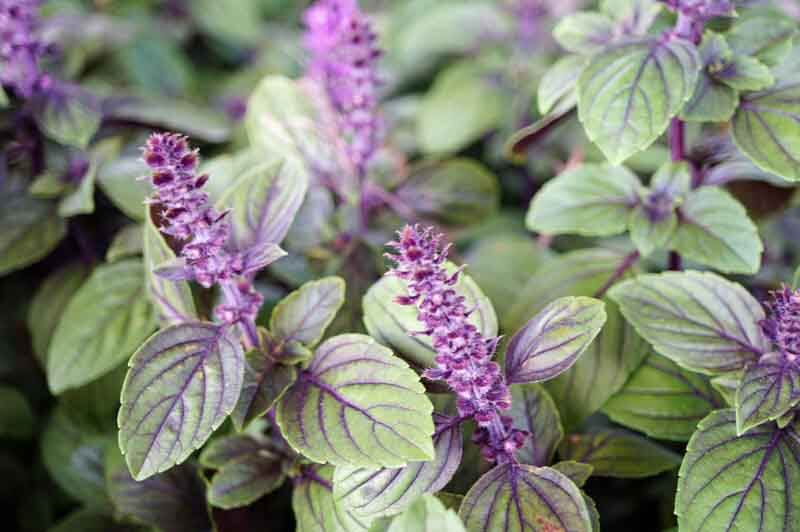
126	407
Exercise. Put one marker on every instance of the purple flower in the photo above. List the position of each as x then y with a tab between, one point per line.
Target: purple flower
693	15
344	58
783	325
464	355
20	48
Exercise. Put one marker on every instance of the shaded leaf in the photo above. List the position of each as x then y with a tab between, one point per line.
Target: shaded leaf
245	480
202	123
128	242
17	419
533	409
31	229
577	472
69	117
118	179
303	315
769	388
316	509
227	449
265	381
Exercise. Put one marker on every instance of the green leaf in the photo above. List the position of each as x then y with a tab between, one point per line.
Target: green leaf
663	400
390	323
265	381
95	405
553	340
119	180
584	32
715	230
590	200
633	17
629	92
31	229
577	472
173	501
767	36
556	91
386	491
227	449
357	405
649	235
48	305
90	520
541	497
17	420
244	481
69	118
317	510
235	21
533	409
303	315
730	482
456	191
81	200
699	320
746	74
181	385
769	388
712	100
128	242
617	453
727	384
765	128
462	106
202	123
426	514
104	322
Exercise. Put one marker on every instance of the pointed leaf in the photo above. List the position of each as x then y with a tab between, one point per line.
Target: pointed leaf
245	480
584	32
526	499
377	492
730	482
265	381
712	100
648	234
181	385
629	92
617	453
590	200
765	35
357	405
769	388
303	315
31	229
556	91
699	320
103	324
222	451
69	117
577	472
533	409
551	342
746	74
316	509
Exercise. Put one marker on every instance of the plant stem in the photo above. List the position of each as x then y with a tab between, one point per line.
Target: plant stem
675	262
623	267
677	140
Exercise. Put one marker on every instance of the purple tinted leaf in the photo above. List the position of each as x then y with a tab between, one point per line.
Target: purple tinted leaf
747	482
525	498
304	314
316	509
245	480
769	388
265	381
577	472
377	492
260	256
700	321
552	341
357	405
533	410
181	385
174	270
221	451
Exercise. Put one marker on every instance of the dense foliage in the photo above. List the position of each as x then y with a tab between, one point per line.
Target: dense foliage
424	265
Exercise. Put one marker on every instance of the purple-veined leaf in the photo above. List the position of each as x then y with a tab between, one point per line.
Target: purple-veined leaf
577	472
303	315
265	381
316	509
551	342
748	482
259	256
221	451
172	502
377	492
769	388
357	405
533	409
618	453
245	480
698	320
181	385
556	94
526	499
585	32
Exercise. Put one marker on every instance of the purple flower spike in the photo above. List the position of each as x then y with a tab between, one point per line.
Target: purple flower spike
783	326
20	48
344	56
464	355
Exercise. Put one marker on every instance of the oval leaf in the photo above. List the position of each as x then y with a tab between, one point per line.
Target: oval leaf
31	229
316	509
246	480
629	92
303	315
769	388
357	405
377	492
552	341
103	324
181	385
699	320
533	409
758	471
525	498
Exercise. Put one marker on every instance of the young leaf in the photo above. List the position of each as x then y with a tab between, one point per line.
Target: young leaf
551	342
712	100
357	405
317	510
663	400
519	497
303	315
426	514
769	388
103	324
31	229
390	323
649	234
173	501
590	200
265	381
730	482
699	320
227	449
577	472
17	420
245	480
629	92
386	491
533	409
556	91
617	453
746	74
182	383
767	36
172	299
584	32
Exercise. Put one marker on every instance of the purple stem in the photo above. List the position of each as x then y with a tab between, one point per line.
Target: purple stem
677	140
623	267
246	325
675	262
